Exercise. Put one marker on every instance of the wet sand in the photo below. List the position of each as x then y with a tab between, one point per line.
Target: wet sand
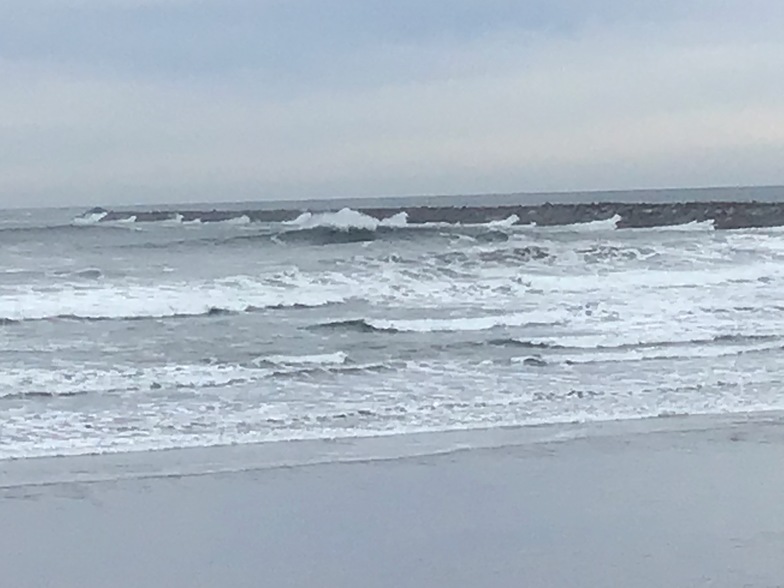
695	504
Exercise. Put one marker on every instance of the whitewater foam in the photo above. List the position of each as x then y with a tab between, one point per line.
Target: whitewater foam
326	359
609	224
505	223
78	380
136	301
347	219
90	218
431	398
647	353
406	326
435	325
238	220
707	225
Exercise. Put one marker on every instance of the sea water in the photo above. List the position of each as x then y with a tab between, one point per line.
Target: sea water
123	330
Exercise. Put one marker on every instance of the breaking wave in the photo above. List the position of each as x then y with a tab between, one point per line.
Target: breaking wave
43	383
436	325
322	359
344	226
91	217
347	220
609	224
673	348
693	351
135	302
707	225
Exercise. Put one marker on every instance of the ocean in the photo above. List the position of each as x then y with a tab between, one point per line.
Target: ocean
150	328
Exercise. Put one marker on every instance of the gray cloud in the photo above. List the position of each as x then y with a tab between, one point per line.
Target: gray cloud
157	100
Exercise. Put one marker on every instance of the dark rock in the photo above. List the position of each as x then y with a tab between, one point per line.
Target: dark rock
726	215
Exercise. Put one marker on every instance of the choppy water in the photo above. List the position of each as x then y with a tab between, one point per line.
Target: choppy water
124	335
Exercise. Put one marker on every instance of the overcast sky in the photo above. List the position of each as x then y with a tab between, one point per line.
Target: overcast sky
134	101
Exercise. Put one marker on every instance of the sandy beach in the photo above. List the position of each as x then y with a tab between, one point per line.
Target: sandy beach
670	502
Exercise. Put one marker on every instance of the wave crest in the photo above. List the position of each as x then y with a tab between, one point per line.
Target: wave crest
178	300
446	325
347	219
609	224
92	216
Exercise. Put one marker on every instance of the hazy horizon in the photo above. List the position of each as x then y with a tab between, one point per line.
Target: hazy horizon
160	101
762	193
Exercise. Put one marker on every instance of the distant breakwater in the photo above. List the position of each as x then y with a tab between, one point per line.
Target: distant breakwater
724	215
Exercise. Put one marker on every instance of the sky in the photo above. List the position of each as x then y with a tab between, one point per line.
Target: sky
155	101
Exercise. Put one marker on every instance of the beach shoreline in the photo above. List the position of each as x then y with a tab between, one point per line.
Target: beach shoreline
679	501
